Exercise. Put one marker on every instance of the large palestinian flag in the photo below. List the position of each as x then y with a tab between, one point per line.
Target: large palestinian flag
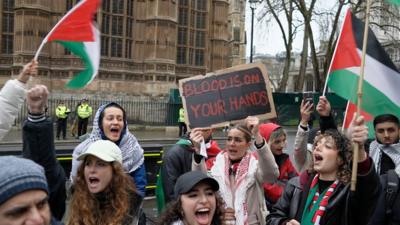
381	78
76	32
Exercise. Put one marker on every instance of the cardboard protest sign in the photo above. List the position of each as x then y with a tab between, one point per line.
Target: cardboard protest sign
227	95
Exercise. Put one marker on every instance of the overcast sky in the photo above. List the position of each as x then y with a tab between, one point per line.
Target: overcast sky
270	40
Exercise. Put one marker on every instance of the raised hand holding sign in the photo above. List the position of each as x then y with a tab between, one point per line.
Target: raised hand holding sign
227	95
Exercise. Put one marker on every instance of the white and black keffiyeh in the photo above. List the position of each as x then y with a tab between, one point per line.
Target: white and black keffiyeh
376	149
132	152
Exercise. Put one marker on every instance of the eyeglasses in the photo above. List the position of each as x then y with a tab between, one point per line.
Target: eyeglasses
234	139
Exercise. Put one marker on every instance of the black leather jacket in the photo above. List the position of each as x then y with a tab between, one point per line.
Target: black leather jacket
344	207
380	217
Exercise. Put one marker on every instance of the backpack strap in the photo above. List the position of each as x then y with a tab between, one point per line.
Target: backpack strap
391	190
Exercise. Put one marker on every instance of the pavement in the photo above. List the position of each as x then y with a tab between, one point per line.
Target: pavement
140	131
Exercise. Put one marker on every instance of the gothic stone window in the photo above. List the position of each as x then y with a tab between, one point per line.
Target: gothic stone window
7	27
117	25
192	35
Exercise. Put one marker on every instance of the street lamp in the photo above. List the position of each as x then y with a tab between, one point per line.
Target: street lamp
253	4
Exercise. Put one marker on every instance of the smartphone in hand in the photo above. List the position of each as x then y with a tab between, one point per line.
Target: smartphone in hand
308	97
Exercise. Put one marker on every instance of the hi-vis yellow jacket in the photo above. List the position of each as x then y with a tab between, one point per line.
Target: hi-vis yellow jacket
84	111
62	111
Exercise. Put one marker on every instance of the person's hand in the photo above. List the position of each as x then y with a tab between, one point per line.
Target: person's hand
252	123
323	106
293	222
37	99
306	108
358	133
228	216
196	137
29	69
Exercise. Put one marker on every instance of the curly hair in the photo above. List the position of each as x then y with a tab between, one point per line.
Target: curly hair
85	207
345	153
173	212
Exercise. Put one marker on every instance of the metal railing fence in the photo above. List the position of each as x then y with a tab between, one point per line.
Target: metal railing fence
162	112
144	112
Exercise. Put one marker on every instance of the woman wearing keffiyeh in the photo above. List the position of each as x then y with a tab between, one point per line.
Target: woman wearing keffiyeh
322	196
241	172
110	124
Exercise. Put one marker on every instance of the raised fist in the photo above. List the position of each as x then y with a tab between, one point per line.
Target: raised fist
37	99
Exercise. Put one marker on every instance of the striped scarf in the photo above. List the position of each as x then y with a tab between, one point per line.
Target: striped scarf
315	205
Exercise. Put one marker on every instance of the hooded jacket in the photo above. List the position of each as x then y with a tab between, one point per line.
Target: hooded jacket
286	169
178	160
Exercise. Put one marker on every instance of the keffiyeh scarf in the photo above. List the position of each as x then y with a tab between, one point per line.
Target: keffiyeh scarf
132	152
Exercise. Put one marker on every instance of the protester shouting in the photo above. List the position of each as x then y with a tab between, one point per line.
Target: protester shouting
197	201
110	124
104	193
323	196
240	172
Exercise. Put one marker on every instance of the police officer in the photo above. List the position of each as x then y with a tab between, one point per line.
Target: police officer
62	112
84	112
181	122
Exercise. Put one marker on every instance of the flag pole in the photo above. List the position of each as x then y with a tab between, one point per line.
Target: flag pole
330	64
345	115
359	96
54	27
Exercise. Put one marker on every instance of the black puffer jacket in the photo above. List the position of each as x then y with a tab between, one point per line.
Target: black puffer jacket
344	207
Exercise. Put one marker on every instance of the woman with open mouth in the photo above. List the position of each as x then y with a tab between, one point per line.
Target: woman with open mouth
241	172
104	194
110	124
323	196
197	201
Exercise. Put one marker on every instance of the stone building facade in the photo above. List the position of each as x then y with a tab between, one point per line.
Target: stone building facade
146	45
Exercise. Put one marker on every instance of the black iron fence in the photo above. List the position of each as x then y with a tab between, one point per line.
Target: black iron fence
151	112
162	112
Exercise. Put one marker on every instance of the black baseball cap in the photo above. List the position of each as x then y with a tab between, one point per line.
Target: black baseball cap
188	180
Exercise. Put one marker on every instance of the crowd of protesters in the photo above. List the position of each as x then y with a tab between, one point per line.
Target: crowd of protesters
250	181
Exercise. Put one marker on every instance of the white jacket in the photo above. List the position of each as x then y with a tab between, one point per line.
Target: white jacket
12	96
245	194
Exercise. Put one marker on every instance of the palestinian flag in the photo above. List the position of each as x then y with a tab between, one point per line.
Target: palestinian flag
76	32
350	110
381	78
396	2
